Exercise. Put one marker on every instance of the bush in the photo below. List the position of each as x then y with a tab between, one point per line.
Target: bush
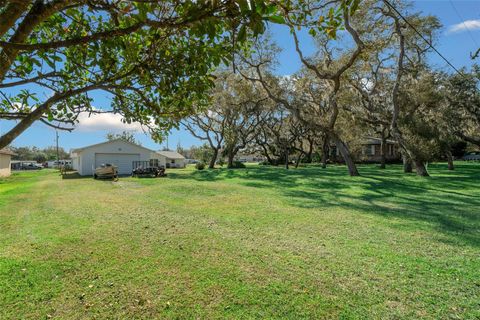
221	162
200	165
238	164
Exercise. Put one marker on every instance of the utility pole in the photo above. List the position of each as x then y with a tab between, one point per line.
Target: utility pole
58	154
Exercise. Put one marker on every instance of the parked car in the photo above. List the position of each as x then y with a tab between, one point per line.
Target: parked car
31	166
472	156
107	171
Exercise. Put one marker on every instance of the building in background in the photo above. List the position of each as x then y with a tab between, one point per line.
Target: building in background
5	162
119	153
173	159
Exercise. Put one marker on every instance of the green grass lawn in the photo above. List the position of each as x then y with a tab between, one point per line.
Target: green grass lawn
250	243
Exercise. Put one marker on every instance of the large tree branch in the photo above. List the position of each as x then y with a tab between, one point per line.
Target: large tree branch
474	140
37	14
102	35
12	11
72	42
30	80
36	114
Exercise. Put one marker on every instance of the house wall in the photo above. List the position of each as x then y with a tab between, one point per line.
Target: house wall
75	161
374	152
87	156
368	153
177	163
162	160
5	169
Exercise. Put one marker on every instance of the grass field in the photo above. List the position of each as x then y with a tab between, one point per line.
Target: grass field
250	243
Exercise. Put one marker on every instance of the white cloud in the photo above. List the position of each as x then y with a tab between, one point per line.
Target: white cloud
105	122
465	26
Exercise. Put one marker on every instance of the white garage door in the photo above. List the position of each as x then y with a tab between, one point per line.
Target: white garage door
121	160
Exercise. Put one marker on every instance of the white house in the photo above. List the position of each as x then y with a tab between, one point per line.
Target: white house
117	152
5	159
173	159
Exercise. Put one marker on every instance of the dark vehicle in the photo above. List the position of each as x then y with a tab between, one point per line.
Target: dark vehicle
149	171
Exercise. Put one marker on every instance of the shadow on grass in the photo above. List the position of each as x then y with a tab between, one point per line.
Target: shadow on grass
448	201
74	175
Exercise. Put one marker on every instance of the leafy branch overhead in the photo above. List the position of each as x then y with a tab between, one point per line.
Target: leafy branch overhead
153	59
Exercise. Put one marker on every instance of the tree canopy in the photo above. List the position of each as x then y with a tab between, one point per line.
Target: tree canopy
153	59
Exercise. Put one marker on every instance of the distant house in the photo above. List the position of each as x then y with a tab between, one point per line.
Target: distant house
118	152
370	151
5	159
173	159
247	157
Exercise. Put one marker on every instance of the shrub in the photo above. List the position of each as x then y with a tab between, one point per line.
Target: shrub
238	164
221	162
200	165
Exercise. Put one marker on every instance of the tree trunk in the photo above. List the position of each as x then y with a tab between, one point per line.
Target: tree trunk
421	169
325	150
308	157
450	160
231	155
286	158
297	161
407	164
347	156
383	151
265	153
211	165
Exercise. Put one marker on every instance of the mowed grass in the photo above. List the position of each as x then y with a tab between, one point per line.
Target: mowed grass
255	243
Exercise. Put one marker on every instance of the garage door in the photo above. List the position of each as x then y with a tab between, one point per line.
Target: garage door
121	160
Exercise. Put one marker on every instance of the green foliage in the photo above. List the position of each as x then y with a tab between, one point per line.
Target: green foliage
124	135
238	165
39	155
203	153
200	165
169	49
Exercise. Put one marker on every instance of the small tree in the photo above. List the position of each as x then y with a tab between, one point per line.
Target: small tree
124	135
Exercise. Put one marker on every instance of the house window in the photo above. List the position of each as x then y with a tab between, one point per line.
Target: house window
153	162
172	161
369	150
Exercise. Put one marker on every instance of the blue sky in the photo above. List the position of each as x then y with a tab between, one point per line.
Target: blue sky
460	36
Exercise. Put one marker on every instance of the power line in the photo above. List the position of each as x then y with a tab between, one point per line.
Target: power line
463	22
421	36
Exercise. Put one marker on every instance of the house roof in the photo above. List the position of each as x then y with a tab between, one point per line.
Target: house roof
171	154
373	140
107	142
7	151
